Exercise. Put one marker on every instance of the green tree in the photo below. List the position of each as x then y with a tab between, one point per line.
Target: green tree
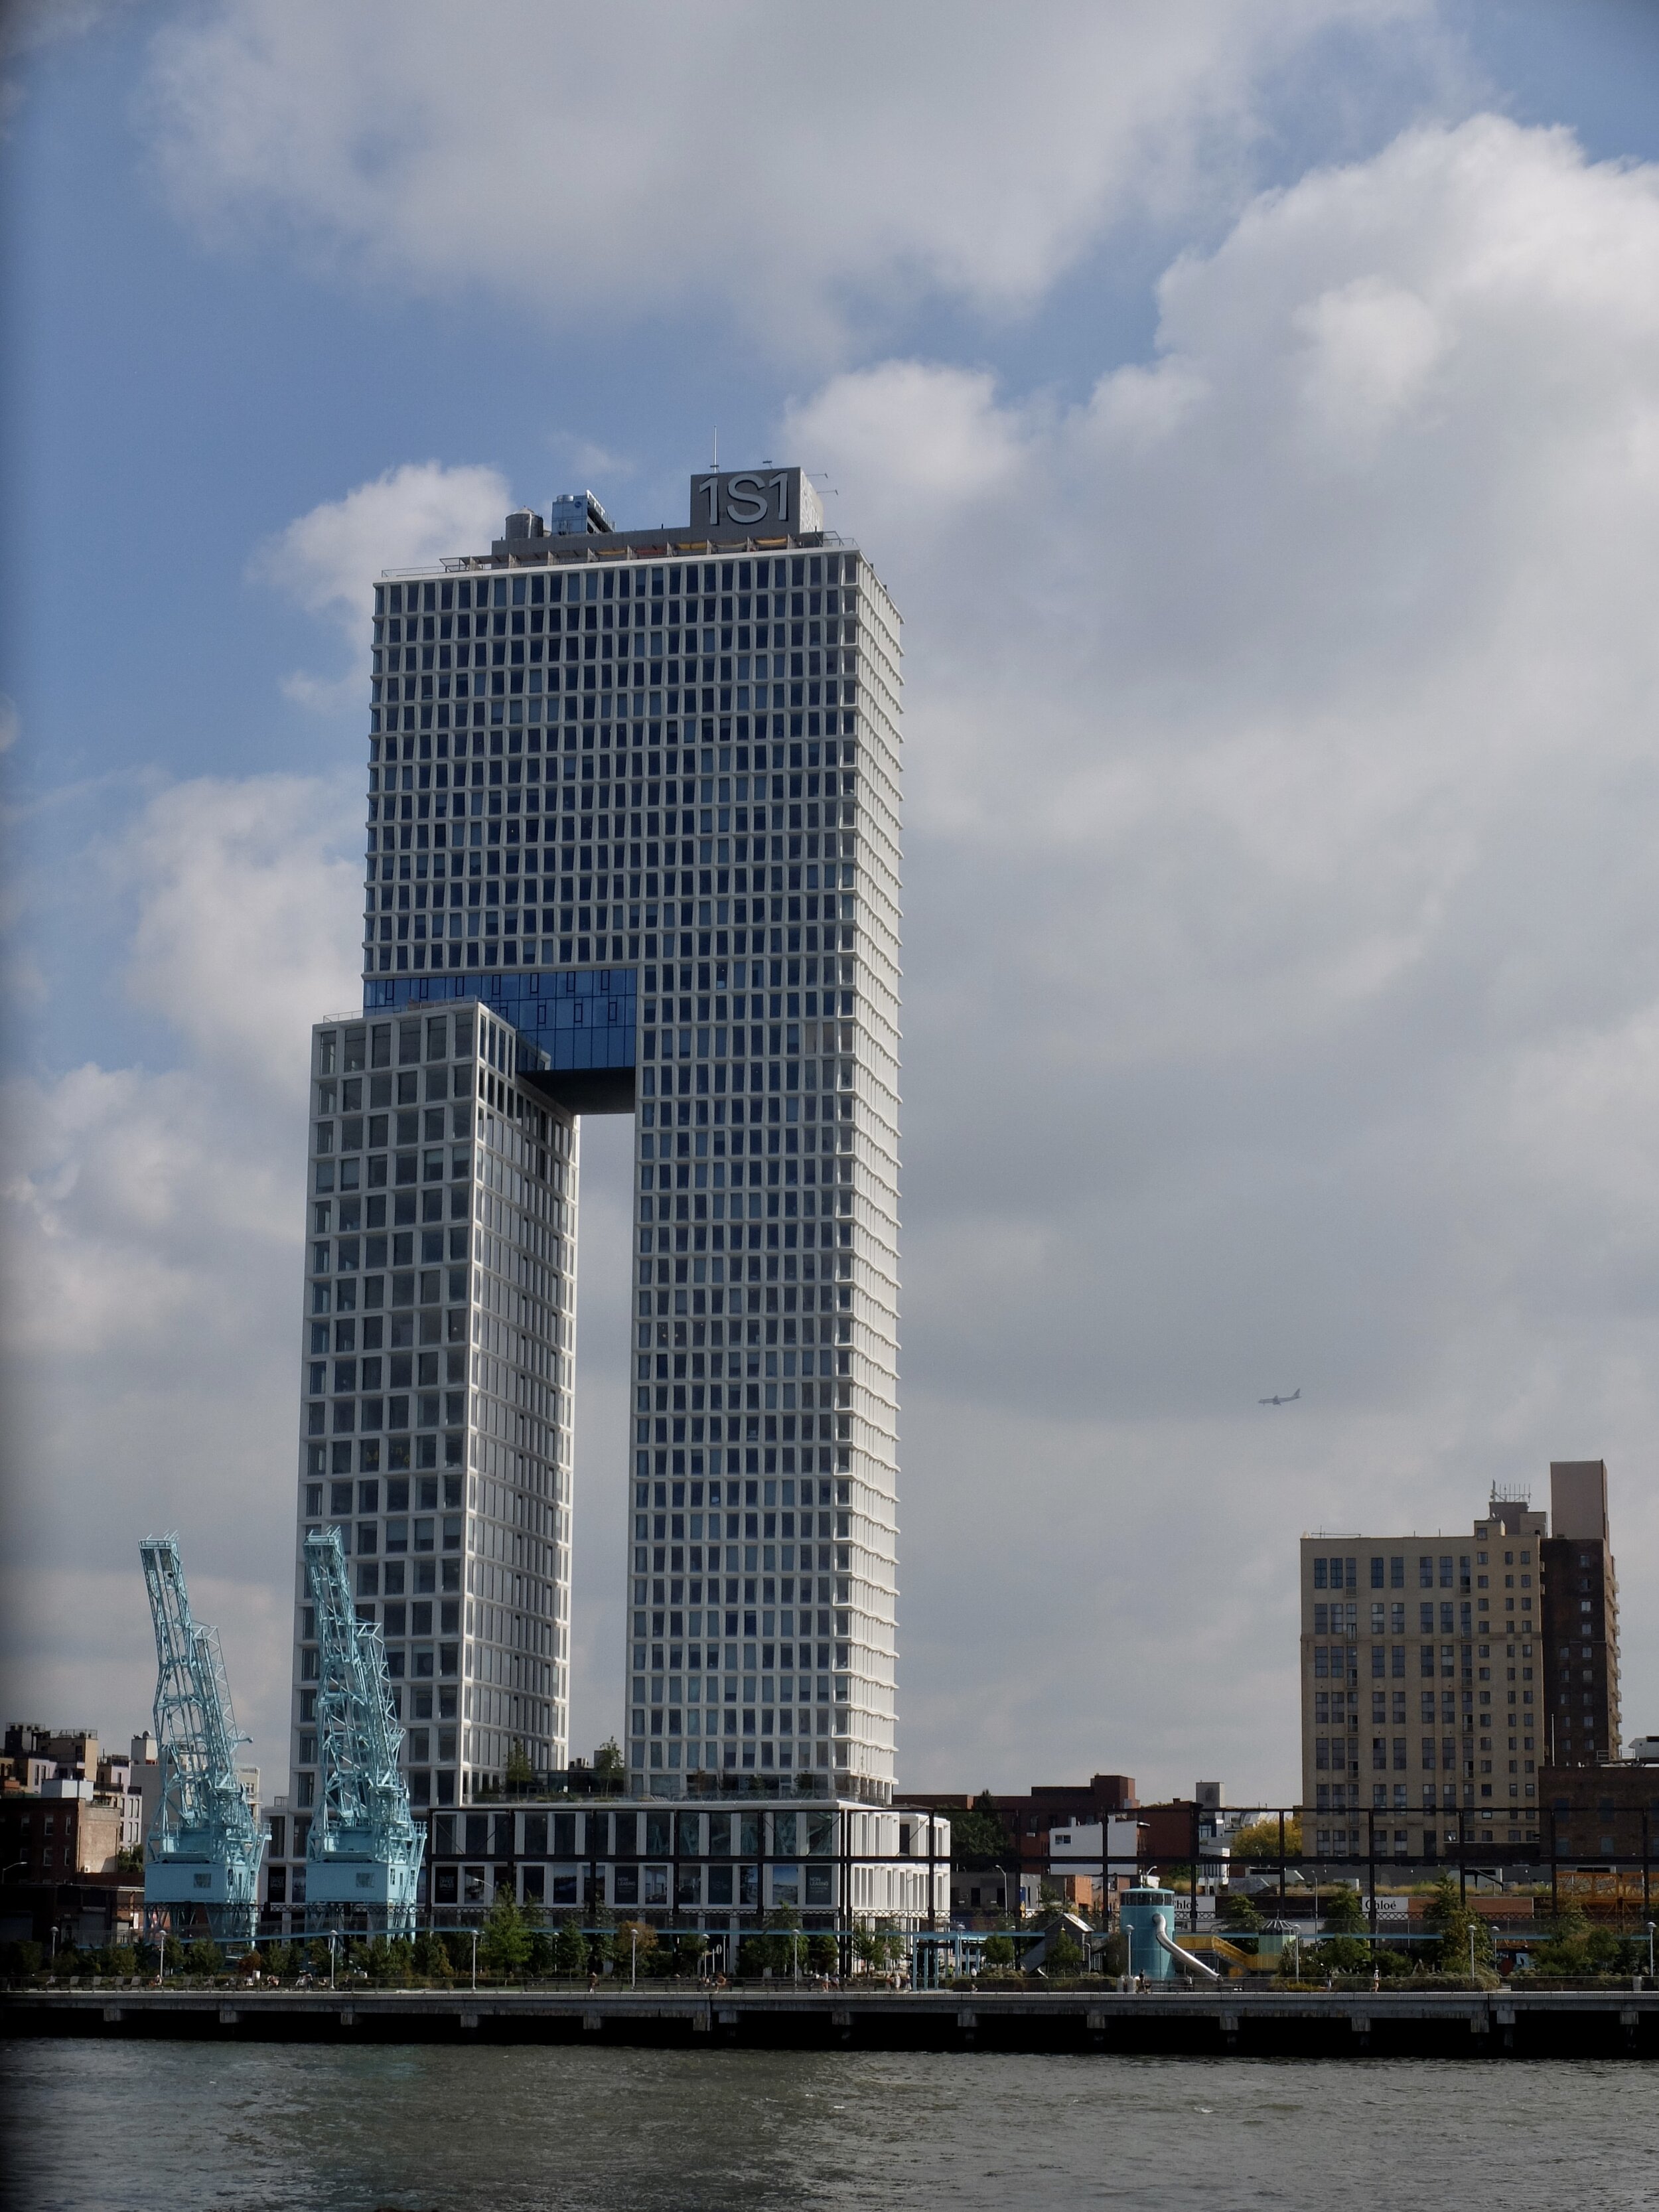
570	1950
387	1964
634	1947
776	1947
1259	1839
1063	1955
1576	1947
879	1947
204	1957
689	1951
823	1954
1448	1916
978	1834
123	1960
1337	1954
521	1774
602	1938
1112	1957
504	1940
1570	1922
430	1959
1341	1910
609	1765
1000	1953
1239	1913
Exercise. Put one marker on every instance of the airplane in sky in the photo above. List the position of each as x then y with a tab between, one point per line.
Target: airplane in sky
1291	1401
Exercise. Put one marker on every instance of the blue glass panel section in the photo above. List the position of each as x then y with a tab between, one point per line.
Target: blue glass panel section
579	1018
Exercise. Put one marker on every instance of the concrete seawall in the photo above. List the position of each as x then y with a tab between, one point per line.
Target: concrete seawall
1322	2024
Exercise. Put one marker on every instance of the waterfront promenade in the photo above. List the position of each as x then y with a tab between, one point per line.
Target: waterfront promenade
1591	2023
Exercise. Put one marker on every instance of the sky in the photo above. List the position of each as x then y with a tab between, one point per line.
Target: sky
1253	407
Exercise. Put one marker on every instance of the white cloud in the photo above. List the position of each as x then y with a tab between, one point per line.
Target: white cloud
327	561
154	1215
1282	954
781	164
29	28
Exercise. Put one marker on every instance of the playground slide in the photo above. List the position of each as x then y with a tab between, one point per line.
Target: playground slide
1229	1954
1161	1937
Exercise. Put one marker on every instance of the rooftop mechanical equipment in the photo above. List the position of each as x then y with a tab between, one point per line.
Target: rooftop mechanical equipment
203	1852
363	1854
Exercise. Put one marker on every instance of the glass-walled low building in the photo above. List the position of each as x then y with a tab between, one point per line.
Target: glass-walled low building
719	1866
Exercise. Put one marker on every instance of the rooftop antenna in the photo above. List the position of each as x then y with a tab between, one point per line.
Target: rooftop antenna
715	463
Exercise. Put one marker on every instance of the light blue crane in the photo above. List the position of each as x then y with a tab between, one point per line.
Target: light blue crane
363	1856
204	1845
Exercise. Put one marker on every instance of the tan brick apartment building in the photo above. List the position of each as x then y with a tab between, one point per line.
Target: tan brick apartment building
1437	1672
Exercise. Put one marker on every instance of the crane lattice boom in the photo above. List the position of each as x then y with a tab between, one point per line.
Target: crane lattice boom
363	1856
204	1845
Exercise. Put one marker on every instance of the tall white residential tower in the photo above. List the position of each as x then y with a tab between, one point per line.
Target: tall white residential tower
632	847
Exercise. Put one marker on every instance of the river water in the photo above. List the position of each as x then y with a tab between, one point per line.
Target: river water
133	2127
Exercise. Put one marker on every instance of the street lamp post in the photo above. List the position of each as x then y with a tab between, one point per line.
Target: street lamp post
1650	1925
